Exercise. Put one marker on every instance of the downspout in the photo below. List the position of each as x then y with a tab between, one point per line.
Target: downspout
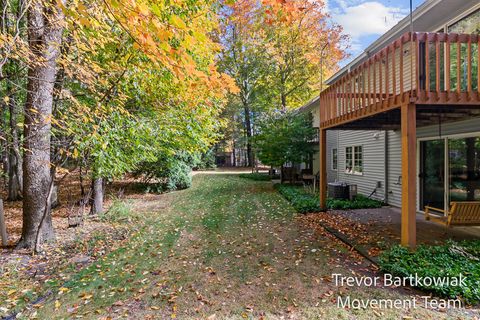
386	169
338	155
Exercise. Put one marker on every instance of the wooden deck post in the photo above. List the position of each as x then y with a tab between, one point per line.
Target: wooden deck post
409	174
323	169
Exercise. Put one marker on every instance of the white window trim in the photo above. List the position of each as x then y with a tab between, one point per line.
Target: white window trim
334	169
354	173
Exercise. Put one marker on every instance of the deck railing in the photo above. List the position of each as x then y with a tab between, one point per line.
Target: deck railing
426	68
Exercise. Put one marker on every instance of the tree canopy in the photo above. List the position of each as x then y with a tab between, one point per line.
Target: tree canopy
123	86
285	138
277	53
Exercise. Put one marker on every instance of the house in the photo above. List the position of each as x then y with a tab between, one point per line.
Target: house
402	120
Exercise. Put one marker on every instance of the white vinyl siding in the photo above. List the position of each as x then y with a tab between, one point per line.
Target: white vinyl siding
394	196
373	159
332	143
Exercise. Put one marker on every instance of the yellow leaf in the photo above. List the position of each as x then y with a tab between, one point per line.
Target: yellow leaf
57	304
144	10
63	290
82	8
84	22
86	296
177	22
6	99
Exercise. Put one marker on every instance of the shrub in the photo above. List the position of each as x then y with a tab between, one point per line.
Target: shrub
360	202
448	260
205	160
304	201
255	176
120	210
178	176
167	173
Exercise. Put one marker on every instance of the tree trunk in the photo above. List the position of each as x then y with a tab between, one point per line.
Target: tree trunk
45	25
234	162
248	129
14	189
4	145
97	194
284	102
283	95
15	174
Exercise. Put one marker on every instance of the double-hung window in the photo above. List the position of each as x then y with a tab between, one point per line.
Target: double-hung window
335	159
354	160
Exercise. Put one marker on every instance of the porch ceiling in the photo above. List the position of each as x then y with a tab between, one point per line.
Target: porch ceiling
427	115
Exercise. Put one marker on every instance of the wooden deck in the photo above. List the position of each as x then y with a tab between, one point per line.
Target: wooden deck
422	69
419	79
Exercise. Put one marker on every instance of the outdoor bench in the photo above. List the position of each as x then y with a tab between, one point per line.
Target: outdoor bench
461	213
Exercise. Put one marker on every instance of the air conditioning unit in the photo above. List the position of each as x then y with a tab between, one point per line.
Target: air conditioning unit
338	190
342	190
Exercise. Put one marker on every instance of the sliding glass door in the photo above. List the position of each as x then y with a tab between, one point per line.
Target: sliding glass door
464	169
432	173
449	171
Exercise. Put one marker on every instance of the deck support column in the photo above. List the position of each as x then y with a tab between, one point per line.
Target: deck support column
323	169
409	174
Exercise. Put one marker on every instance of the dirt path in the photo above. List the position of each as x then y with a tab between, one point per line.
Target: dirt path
225	248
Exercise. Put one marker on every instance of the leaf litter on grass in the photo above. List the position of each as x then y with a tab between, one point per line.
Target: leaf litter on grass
226	248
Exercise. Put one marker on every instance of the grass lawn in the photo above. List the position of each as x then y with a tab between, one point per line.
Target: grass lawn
225	248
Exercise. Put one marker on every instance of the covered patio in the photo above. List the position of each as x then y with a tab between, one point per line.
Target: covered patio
416	81
386	222
372	230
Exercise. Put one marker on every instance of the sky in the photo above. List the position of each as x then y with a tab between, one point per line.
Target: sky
365	20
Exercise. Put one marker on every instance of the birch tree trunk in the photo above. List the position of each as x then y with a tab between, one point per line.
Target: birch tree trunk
45	26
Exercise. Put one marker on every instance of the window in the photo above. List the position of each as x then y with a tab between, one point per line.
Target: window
354	160
358	160
469	24
334	159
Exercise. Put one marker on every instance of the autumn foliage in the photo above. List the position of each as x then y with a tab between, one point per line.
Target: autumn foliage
279	53
131	82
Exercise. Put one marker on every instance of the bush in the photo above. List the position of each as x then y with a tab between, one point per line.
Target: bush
255	176
120	210
167	173
360	202
178	176
304	201
205	161
448	260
